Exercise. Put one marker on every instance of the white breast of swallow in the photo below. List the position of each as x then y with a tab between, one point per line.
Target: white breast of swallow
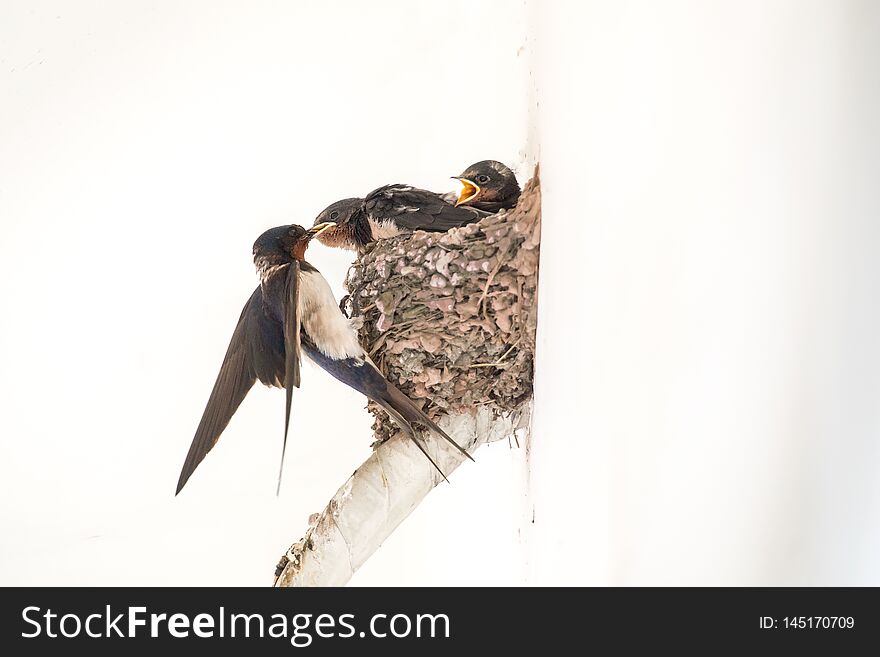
322	320
384	229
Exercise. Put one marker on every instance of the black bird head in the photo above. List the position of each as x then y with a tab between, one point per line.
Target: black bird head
349	229
280	245
488	185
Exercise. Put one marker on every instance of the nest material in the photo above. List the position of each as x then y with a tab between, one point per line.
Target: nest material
450	317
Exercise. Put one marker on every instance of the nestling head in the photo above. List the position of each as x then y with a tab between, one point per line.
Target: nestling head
488	185
344	214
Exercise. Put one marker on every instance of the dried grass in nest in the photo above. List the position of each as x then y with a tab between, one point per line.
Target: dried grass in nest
450	317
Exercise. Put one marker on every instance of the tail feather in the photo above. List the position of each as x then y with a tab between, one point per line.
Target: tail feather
412	413
284	444
362	375
409	431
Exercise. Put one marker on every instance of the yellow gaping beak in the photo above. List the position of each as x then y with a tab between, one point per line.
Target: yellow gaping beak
314	231
469	190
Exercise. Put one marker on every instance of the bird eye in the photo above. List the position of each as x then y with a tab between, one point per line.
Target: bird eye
334	215
482	179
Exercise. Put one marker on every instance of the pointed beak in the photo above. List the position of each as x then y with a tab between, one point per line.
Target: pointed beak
317	229
469	190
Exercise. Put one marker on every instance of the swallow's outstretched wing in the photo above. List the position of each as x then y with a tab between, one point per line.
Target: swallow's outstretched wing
291	350
362	375
256	351
417	209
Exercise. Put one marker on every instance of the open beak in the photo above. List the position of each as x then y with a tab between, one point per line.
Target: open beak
468	191
317	229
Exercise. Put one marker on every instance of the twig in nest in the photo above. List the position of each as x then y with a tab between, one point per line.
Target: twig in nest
499	361
481	304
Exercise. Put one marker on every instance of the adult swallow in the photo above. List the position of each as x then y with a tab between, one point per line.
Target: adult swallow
293	311
389	211
489	186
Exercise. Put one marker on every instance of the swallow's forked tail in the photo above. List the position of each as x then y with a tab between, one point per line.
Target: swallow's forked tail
402	409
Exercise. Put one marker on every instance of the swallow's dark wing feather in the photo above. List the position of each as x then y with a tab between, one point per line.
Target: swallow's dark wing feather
291	326
291	349
363	376
417	209
256	351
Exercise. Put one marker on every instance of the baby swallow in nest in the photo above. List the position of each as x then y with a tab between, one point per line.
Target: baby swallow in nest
389	211
489	186
292	311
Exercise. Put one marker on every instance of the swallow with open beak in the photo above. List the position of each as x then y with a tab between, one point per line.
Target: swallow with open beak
292	311
389	211
489	186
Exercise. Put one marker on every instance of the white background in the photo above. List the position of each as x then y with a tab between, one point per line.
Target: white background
708	367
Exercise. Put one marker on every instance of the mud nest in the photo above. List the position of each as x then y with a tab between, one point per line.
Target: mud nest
450	317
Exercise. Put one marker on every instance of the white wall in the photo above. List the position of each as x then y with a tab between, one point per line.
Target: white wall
711	213
707	379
